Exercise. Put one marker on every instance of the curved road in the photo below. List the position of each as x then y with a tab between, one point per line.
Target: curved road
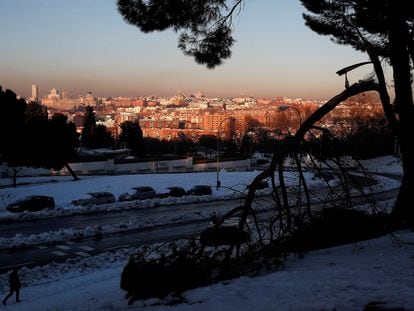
59	253
8	230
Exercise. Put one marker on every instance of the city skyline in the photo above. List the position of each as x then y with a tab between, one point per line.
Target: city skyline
86	46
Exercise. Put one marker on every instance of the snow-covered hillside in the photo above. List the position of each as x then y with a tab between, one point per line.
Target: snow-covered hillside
343	278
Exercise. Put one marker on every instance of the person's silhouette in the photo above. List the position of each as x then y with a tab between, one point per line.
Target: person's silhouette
14	284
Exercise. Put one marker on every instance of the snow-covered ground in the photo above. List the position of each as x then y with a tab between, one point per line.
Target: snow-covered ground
386	164
342	278
65	190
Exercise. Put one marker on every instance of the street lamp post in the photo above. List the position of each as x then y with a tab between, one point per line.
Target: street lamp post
218	183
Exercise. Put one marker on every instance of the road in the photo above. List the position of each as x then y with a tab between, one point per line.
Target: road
59	253
8	230
43	255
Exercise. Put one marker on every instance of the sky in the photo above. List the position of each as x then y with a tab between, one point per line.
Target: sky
85	45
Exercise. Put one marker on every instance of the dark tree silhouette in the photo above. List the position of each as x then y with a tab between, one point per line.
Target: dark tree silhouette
28	138
50	143
89	125
63	143
384	29
246	145
208	141
154	146
12	130
36	112
95	136
204	26
36	136
372	138
131	134
101	137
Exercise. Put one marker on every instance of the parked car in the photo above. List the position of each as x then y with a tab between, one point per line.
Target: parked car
141	193
173	192
31	203
95	198
200	190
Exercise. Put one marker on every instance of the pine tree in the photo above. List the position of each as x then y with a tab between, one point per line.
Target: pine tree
384	29
131	134
89	125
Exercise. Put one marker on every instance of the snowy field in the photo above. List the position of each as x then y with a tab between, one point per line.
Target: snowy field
64	189
342	278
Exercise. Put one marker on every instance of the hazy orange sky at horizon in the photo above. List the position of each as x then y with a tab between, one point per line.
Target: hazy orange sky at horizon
84	45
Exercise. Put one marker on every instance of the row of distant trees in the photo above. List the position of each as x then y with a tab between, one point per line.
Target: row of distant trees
98	136
28	137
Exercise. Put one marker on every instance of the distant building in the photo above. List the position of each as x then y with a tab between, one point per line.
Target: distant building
153	103
54	94
65	95
199	95
35	93
126	116
212	122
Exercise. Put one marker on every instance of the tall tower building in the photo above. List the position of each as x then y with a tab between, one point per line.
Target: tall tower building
35	93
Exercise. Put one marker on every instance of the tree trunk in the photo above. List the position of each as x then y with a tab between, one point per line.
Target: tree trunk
403	211
75	177
15	172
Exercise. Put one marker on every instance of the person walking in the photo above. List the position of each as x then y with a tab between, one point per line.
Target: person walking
14	284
